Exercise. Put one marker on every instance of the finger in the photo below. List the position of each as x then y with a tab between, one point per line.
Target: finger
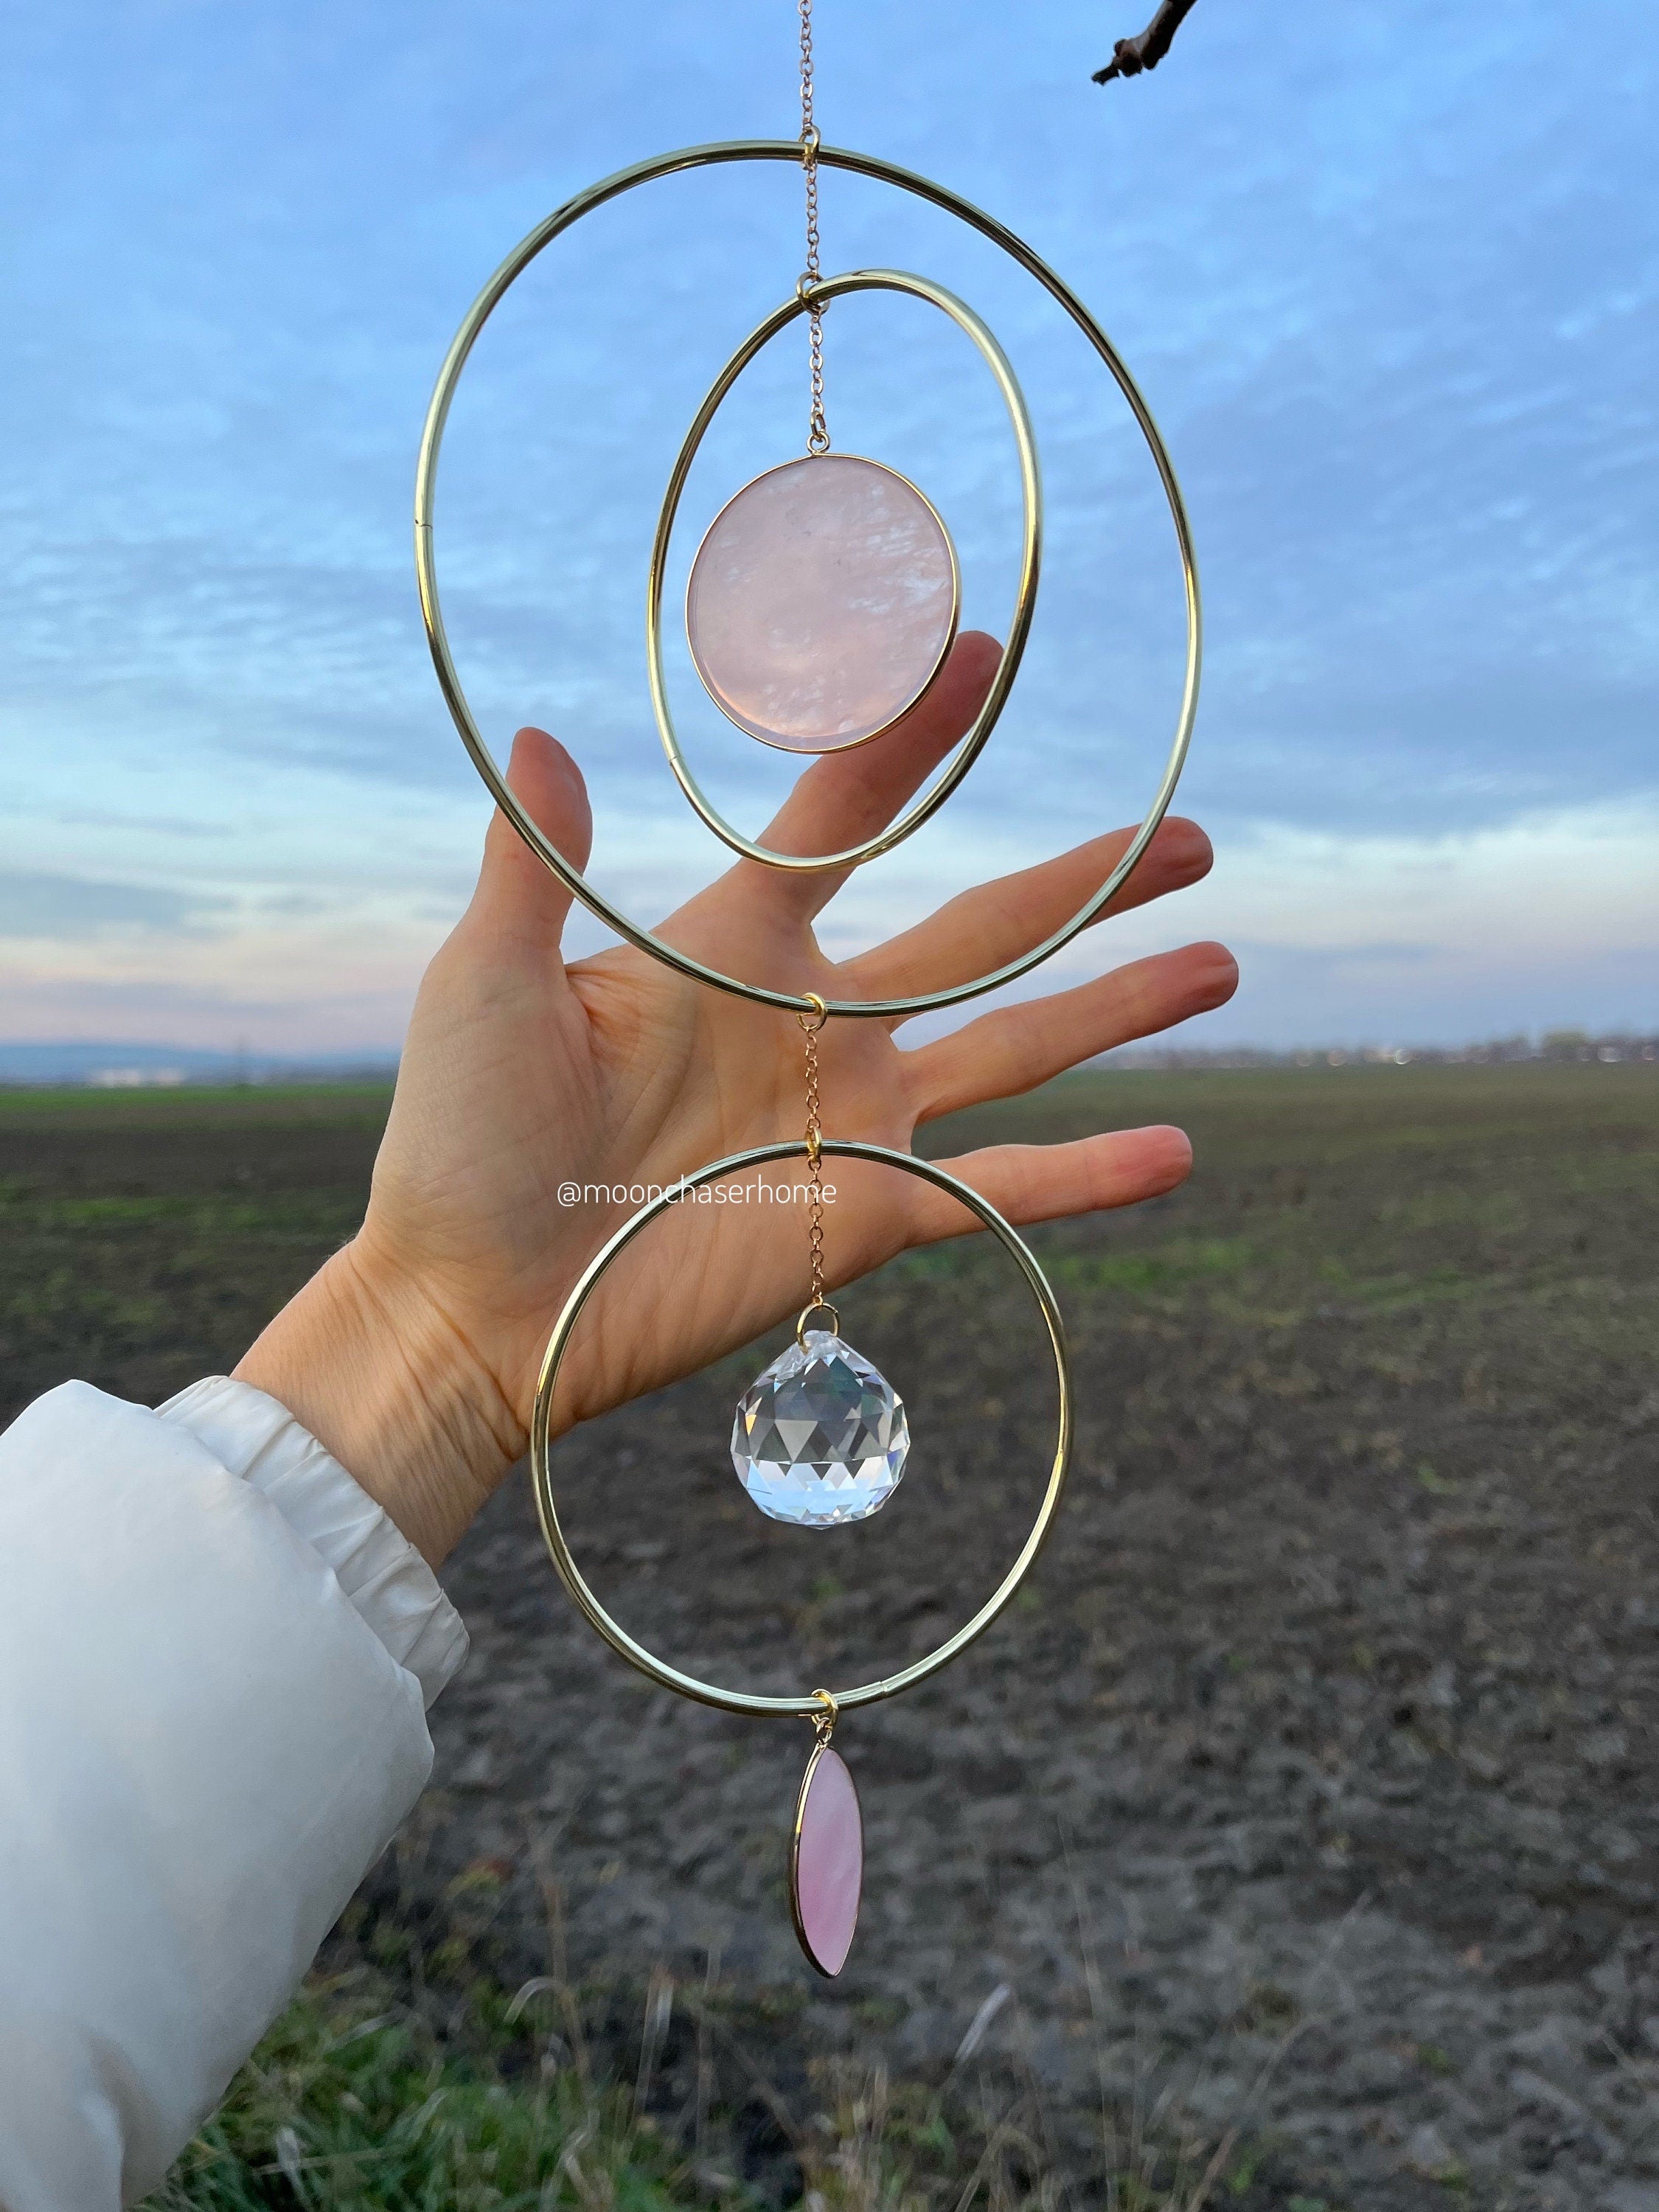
518	894
982	929
849	796
1050	1183
1016	1048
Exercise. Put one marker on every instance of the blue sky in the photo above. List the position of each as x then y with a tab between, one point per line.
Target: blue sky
1386	273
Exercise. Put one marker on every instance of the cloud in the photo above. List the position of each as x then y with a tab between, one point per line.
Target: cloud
1543	923
70	909
1399	331
153	1011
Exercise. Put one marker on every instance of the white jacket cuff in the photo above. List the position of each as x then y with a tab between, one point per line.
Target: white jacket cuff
213	1651
391	1586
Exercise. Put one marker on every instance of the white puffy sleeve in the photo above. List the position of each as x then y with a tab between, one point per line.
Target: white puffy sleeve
216	1654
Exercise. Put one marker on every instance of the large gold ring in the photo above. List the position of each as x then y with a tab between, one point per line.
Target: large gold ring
968	751
904	180
809	1703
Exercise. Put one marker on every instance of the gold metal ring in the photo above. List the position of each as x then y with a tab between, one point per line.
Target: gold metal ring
819	1305
905	181
808	1705
1031	553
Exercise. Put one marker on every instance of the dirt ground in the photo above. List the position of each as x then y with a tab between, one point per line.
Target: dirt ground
1309	1789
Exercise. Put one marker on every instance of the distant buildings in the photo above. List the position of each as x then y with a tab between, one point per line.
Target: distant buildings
1560	1047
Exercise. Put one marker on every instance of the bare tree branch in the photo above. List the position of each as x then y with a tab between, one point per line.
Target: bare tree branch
1130	55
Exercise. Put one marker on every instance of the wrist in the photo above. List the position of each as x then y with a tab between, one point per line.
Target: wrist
387	1384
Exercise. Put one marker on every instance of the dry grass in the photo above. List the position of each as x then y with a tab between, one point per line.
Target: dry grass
354	2103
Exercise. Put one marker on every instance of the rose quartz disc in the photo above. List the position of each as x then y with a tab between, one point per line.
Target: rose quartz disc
827	1875
822	602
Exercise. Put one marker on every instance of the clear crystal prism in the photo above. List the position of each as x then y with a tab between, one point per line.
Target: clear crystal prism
820	1439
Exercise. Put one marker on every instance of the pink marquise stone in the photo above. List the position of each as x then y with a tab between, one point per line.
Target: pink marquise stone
821	602
829	1869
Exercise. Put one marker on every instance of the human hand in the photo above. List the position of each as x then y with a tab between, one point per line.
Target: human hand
413	1354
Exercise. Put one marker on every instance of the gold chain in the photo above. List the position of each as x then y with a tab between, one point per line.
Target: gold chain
811	1024
817	432
814	1157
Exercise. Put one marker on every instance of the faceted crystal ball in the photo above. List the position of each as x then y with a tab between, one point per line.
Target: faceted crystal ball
822	602
820	1439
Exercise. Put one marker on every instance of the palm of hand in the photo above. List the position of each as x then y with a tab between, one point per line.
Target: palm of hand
523	1075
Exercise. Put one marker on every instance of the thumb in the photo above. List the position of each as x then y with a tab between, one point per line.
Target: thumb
518	893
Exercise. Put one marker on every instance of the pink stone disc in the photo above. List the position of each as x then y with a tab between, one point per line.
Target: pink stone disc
826	1867
821	602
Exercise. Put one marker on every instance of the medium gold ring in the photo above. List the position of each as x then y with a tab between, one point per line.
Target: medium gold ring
807	1705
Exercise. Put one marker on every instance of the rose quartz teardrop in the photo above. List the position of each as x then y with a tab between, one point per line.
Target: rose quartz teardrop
827	1873
822	602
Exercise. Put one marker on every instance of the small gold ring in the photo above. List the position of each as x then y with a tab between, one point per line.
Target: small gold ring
810	143
818	1306
805	285
820	1008
824	1724
809	302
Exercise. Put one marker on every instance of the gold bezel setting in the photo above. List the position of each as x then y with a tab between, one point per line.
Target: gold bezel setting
752	729
822	1745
